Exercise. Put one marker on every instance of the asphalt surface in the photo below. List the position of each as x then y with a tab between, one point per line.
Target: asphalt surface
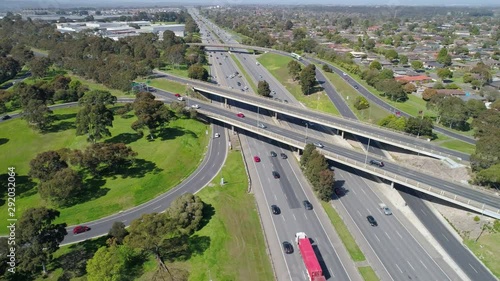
474	269
392	167
357	128
367	94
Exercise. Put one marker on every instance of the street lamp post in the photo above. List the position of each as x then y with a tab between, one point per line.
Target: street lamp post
305	140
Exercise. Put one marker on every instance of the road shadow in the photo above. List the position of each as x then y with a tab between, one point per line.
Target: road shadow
138	168
126	138
4	140
340	184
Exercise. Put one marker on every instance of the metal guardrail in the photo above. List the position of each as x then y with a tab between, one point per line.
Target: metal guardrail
432	190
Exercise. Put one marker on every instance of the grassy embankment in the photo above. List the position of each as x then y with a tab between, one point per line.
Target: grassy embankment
277	66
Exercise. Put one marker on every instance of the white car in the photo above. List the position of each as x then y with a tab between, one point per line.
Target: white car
195	106
217	135
318	144
180	98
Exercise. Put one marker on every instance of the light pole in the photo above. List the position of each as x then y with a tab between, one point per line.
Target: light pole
305	140
368	148
258	114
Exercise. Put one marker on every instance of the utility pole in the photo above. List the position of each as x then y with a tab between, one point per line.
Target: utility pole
368	148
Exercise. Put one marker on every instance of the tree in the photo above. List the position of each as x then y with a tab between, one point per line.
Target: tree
361	103
118	232
392	89
151	114
375	65
62	188
487	152
403	59
187	212
9	68
453	112
416	64
45	165
156	233
110	264
197	71
444	73
308	79
94	118
488	177
299	34
294	69
443	57
263	88
326	68
409	88
428	94
370	44
306	154
391	54
37	114
419	126
22	54
486	123
38	238
288	25
393	122
101	156
39	66
325	185
475	107
315	164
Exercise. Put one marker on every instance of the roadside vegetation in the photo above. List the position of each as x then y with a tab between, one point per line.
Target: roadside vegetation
172	153
277	66
487	247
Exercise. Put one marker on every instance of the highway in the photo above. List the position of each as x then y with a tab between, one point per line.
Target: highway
474	269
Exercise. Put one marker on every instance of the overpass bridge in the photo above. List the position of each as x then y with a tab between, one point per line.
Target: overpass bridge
461	195
355	127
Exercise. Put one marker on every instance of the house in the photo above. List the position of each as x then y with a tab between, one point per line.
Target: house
451	92
416	79
432	64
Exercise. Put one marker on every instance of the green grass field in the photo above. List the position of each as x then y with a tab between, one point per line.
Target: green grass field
373	114
368	273
454	144
346	237
237	250
487	249
277	65
165	84
168	159
245	73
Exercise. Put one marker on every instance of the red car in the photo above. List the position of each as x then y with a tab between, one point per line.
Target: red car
241	115
80	229
177	95
256	159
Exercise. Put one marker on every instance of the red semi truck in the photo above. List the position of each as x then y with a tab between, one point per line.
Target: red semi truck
309	257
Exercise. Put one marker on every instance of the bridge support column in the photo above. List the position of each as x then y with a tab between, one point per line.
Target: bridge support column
392	184
225	102
341	134
232	129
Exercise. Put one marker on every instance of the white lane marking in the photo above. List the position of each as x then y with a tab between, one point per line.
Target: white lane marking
399	234
423	212
410	265
358	213
305	216
156	208
124	221
294	217
387	235
398	267
445	237
352	191
473	268
275	198
376	237
283	218
363	191
331	272
423	264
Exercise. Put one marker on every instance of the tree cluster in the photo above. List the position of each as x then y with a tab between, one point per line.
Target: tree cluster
94	117
307	79
151	114
418	126
263	88
454	112
315	167
383	81
294	69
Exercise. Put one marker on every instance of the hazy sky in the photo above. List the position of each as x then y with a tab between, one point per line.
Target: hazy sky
90	3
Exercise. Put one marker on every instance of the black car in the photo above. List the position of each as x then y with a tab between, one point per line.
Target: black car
287	247
239	83
283	156
6	117
339	191
372	220
377	162
307	205
273	154
276	210
356	86
276	175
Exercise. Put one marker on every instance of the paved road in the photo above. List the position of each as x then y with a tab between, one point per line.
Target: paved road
403	257
474	269
358	128
361	89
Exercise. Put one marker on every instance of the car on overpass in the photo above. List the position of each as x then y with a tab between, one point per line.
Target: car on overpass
377	163
273	154
256	159
276	175
240	114
318	144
